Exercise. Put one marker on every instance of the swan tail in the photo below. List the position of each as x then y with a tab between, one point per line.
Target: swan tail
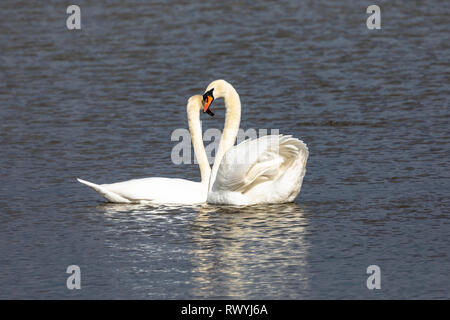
104	192
293	148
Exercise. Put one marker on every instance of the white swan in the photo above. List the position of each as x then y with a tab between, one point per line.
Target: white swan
165	190
269	169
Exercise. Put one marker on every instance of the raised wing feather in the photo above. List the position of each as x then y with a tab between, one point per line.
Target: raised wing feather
256	161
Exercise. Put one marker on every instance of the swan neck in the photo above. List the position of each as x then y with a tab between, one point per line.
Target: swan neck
230	131
195	130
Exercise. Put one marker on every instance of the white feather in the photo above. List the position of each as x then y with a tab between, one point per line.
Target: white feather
265	170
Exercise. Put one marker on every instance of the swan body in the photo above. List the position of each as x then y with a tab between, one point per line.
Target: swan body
157	190
265	170
153	190
269	169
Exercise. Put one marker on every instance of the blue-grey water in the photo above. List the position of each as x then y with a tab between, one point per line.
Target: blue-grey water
101	103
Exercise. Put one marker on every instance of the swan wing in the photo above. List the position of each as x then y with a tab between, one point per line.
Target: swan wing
253	162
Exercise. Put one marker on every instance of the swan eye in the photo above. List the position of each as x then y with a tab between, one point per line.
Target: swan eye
207	95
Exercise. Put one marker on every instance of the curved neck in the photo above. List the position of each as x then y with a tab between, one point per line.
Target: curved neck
230	130
195	129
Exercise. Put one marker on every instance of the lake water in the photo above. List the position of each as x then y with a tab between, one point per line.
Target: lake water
101	104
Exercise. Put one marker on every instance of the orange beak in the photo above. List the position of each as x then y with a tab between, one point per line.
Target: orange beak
208	98
207	101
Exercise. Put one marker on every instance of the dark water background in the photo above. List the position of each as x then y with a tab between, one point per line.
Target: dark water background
101	104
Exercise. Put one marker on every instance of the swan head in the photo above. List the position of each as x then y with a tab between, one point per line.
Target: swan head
195	103
216	89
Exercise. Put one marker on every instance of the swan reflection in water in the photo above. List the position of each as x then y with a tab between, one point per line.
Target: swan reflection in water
220	251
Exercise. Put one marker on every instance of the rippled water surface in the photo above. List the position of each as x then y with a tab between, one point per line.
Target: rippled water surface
102	103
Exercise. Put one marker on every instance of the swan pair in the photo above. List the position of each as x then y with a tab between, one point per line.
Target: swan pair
269	169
